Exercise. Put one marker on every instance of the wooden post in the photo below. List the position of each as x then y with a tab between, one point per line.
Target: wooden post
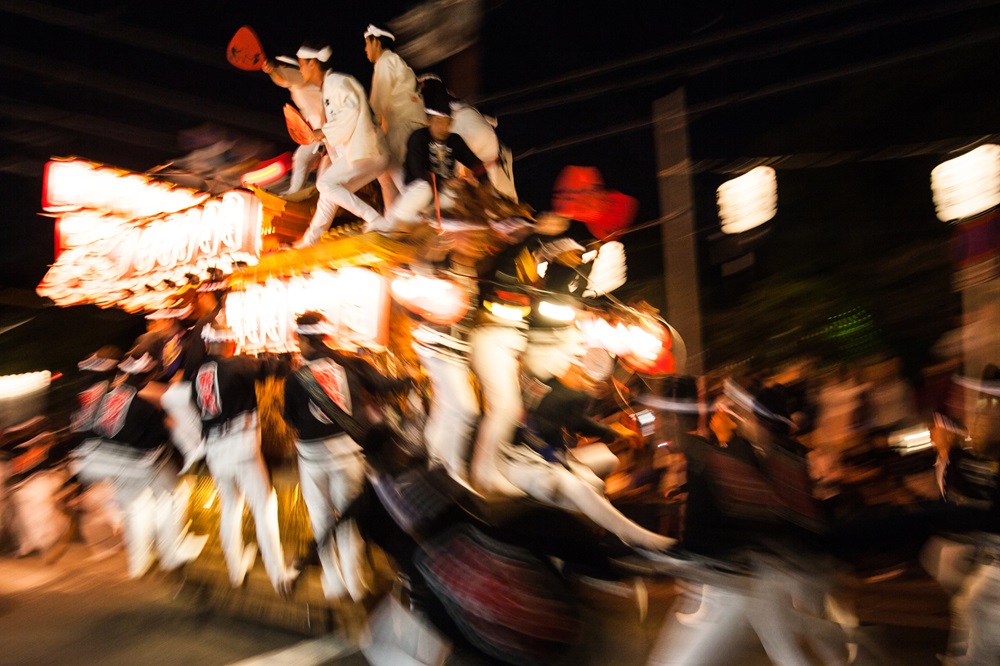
680	258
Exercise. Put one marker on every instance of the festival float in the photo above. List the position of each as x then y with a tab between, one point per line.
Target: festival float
143	242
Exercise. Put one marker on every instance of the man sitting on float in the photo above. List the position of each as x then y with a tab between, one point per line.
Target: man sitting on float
433	154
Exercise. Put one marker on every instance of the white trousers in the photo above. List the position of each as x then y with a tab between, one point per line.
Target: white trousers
768	604
303	160
332	474
337	186
153	504
156	523
576	489
453	414
496	353
240	476
185	423
976	618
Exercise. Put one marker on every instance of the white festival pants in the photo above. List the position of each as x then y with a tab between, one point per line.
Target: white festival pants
337	186
496	354
976	617
332	474
578	490
155	508
238	469
767	603
303	160
415	199
185	426
454	411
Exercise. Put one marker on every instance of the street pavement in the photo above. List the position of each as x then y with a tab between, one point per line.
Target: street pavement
82	610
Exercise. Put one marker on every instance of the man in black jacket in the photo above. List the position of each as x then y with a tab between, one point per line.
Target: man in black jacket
126	442
323	403
224	391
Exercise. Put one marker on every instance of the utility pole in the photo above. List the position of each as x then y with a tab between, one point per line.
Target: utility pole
680	249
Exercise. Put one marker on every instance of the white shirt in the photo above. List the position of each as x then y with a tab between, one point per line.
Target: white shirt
307	97
349	129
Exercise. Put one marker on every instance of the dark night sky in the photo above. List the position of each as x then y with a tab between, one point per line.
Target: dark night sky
116	81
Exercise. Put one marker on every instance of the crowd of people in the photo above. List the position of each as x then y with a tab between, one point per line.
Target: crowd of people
772	471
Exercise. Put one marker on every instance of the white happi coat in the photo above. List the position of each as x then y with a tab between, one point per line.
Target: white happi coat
396	102
349	129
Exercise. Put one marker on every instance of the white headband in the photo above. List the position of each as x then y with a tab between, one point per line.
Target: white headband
95	363
319	328
373	31
137	366
212	334
434	112
307	53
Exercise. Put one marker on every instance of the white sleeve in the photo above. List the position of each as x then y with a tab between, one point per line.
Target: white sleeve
342	110
382	83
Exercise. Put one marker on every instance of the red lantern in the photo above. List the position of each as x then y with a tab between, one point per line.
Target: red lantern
579	194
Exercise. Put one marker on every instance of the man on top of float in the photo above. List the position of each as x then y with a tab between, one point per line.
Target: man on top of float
433	154
396	102
357	147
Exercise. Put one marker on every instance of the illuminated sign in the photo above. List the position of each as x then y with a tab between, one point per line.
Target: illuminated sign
121	249
355	301
76	184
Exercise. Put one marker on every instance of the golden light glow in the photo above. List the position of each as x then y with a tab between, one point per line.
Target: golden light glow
556	312
439	301
508	312
113	260
268	172
28	383
748	201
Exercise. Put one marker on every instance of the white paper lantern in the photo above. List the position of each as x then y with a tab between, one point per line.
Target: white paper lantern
748	201
967	185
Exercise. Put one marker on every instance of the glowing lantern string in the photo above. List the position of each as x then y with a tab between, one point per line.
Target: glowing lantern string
76	184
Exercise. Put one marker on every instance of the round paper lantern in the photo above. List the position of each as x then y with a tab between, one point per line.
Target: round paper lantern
967	185
748	201
439	301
